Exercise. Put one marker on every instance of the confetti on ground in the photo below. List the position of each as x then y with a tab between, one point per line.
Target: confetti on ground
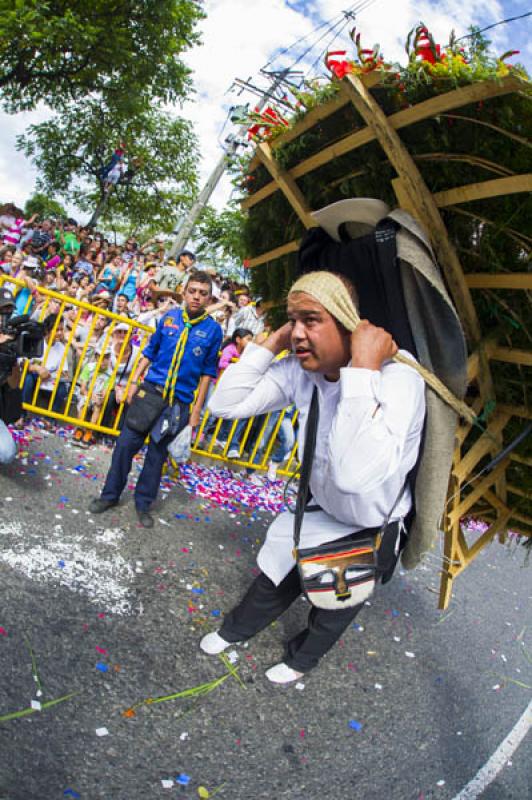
167	783
3	631
356	726
71	793
409	654
102	732
36	705
440	783
300	686
102	667
183	779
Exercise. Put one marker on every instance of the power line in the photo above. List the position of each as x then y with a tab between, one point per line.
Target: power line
362	7
494	25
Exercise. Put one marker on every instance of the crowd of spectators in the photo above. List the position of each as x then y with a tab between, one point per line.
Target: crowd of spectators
137	281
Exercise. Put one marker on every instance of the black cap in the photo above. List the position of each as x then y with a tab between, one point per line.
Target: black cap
187	253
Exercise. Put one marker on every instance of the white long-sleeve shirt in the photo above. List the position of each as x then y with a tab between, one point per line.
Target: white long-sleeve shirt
368	440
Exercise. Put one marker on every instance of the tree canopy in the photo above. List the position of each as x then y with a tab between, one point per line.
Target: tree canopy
57	51
44	206
71	149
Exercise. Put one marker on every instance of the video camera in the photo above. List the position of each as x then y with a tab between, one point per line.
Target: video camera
26	336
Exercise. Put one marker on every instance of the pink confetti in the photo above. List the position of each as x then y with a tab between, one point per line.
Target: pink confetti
101	650
3	631
301	734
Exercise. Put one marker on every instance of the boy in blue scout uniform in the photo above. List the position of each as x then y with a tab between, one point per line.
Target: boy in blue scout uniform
182	356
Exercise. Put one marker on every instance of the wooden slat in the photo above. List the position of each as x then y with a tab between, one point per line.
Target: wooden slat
429	108
464	428
511	355
500	280
521	459
483	190
287	185
479	490
421	199
473	366
482	446
289	247
517	490
524	412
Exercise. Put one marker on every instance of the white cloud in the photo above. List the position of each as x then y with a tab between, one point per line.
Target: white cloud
239	37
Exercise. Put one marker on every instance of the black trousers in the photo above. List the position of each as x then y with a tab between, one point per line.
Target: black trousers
264	602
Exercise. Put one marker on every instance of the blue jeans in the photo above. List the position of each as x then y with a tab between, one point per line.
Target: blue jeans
284	440
8	448
128	445
30	381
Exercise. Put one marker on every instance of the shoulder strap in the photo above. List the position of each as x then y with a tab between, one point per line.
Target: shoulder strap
306	464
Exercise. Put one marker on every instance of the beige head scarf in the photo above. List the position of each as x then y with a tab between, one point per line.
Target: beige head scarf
329	290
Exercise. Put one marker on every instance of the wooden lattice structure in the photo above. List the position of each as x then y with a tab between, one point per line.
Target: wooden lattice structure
347	133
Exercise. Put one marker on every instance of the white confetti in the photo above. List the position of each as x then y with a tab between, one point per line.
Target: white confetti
496	687
36	705
397	638
184	736
233	657
440	783
8	499
378	686
408	654
300	686
167	783
102	732
504	658
58	516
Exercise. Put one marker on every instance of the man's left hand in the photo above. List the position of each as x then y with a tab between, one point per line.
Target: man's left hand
195	417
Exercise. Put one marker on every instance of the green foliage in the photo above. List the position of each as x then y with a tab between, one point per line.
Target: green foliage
71	148
219	238
44	206
58	51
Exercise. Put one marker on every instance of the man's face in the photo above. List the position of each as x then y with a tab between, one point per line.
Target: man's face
318	341
243	300
46	225
196	296
121	303
186	261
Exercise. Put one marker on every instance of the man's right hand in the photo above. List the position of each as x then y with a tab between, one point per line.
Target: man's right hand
279	340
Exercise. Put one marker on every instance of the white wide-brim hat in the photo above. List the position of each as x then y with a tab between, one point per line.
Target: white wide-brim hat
364	212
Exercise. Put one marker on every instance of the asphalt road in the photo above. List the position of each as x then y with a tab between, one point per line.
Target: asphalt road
409	705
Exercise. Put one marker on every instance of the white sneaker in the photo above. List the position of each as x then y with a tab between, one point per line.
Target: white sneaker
213	643
234	452
282	673
221	443
272	471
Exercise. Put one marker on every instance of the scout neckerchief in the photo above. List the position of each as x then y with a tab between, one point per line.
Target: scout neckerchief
169	387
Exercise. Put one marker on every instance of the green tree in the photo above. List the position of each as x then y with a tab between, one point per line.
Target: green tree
44	206
71	149
57	51
219	238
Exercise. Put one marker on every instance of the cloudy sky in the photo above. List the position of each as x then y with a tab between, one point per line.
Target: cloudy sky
239	37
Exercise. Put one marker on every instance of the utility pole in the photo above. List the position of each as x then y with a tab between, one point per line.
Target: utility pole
186	228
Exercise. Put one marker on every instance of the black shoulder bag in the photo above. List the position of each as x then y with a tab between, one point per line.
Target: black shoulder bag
340	574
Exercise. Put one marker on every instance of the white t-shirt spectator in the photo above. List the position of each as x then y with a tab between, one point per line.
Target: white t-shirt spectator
52	362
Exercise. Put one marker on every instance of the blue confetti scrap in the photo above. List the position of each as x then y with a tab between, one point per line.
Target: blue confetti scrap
71	793
61	564
197	590
216	612
102	667
356	726
183	779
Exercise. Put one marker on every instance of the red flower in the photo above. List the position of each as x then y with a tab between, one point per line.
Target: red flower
339	68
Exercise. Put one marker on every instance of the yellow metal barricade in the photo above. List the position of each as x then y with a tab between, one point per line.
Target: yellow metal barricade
42	402
76	407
